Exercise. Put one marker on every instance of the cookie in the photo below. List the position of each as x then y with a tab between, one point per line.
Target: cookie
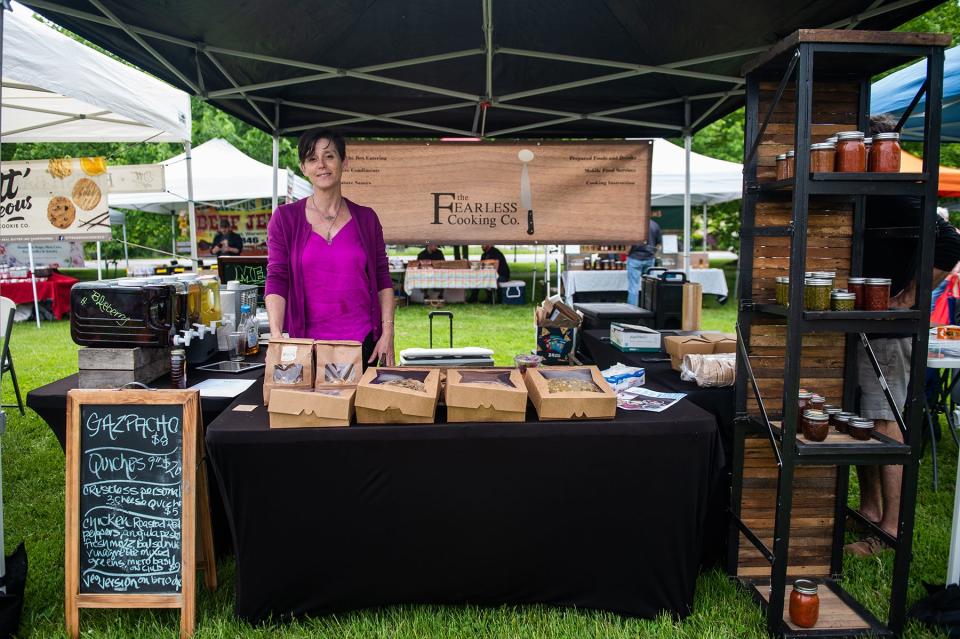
61	212
59	167
86	194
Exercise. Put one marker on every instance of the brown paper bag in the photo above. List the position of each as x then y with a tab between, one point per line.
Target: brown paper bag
692	306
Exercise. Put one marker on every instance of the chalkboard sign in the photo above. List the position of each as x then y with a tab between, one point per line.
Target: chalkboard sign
132	491
251	269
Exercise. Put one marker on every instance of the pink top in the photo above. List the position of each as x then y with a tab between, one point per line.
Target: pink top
337	303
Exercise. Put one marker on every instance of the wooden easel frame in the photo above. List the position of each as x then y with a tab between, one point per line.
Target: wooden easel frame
192	454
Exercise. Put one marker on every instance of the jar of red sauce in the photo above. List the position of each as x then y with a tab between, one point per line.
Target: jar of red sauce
855	286
790	165
782	166
822	157
851	154
876	294
885	153
815	425
804	603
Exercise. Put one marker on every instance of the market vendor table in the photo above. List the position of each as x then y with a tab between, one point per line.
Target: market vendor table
593	514
56	288
713	280
449	278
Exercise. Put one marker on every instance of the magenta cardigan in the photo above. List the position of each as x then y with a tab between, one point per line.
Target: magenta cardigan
287	235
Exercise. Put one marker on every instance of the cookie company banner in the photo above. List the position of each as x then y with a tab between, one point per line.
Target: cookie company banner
55	254
250	225
53	200
504	193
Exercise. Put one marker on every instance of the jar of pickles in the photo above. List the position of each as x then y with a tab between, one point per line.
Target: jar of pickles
782	290
815	425
885	154
851	154
790	165
843	301
822	157
876	294
782	166
855	286
816	295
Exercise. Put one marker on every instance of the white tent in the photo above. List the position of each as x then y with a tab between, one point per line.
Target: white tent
220	172
56	89
711	181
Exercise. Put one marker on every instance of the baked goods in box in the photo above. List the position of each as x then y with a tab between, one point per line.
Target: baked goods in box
289	365
398	396
485	395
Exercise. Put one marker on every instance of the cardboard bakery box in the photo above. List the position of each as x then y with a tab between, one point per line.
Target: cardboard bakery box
570	404
677	346
485	395
339	363
380	401
294	408
288	354
722	342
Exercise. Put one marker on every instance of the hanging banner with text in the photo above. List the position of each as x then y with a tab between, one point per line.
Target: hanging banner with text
54	200
250	225
504	192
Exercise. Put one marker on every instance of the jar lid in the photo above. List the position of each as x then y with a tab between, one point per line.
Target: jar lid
782	156
782	279
815	415
817	282
824	275
867	141
845	417
878	281
849	135
791	153
804	394
892	135
856	280
816	398
843	295
805	586
822	146
178	351
832	410
860	422
832	139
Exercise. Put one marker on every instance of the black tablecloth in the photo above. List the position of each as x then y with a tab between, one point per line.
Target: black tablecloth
593	514
597	348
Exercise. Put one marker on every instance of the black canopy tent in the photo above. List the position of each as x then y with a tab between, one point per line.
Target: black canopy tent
425	68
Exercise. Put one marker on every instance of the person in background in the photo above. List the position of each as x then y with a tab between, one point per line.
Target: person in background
939	290
641	258
226	242
491	252
880	486
327	271
431	252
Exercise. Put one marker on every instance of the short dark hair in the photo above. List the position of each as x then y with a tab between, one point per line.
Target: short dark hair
883	123
308	141
224	222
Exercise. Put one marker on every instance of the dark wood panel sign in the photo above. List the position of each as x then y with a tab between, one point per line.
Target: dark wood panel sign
131	501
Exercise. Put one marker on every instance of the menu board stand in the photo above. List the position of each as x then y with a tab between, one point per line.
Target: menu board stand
133	495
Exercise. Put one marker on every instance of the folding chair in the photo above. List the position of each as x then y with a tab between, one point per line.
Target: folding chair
7	308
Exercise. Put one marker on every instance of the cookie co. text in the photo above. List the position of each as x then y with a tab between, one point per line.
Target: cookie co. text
10	204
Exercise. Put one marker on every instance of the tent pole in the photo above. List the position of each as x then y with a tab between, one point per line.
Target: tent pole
704	227
533	293
33	278
276	152
686	186
126	249
99	263
546	269
173	232
191	207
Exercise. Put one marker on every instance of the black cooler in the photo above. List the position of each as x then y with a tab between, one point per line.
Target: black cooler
663	297
602	314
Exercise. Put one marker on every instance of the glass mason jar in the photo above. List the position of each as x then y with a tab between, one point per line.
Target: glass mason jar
876	294
804	603
885	153
851	153
843	301
822	157
855	286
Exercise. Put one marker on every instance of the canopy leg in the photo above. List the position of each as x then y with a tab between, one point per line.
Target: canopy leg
33	281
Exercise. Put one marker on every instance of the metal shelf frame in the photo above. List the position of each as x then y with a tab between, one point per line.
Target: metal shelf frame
789	452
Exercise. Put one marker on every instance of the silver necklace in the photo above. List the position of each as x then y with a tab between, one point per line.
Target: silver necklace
333	222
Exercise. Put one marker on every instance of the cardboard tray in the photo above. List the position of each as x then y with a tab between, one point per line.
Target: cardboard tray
472	402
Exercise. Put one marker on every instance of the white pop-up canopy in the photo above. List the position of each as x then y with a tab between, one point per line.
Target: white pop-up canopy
220	172
56	89
711	181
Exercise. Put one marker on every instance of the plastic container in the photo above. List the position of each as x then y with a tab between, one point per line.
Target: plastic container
525	361
250	329
804	604
885	153
851	153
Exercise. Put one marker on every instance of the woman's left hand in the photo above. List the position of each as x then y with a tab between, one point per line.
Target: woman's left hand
383	350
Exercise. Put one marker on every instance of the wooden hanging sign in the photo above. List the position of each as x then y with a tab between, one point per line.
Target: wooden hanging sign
131	502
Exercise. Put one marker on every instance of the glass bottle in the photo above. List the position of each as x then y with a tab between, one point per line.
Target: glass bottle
251	329
178	368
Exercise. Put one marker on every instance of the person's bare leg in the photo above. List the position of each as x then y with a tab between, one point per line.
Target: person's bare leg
891	478
870	492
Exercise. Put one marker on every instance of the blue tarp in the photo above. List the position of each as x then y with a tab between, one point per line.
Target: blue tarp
894	93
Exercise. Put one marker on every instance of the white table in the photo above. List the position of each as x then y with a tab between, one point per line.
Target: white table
713	281
953	563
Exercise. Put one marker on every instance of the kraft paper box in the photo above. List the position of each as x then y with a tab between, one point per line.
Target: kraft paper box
285	351
679	345
339	363
570	405
722	342
311	409
472	395
630	338
380	403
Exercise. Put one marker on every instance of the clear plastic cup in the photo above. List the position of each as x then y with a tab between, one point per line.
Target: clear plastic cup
236	346
525	361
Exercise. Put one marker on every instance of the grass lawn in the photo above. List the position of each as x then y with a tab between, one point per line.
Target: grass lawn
34	492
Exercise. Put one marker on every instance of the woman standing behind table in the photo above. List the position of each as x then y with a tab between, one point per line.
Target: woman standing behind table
327	271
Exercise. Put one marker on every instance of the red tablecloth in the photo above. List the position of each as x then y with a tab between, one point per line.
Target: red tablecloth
56	287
